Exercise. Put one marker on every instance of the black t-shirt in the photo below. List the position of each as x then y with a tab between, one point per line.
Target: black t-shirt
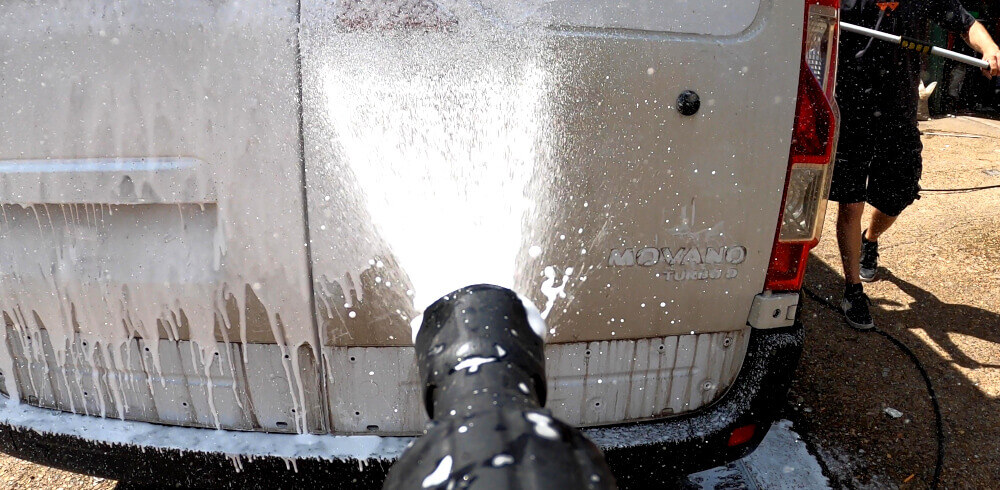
877	81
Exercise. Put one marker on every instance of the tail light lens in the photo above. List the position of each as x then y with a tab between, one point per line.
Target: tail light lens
820	43
810	160
805	202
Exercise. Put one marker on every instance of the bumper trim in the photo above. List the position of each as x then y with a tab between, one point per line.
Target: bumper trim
640	454
106	431
653	454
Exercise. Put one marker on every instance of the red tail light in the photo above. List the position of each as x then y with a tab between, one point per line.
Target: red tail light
741	435
810	159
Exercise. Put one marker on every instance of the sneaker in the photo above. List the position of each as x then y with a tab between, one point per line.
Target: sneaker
855	307
869	258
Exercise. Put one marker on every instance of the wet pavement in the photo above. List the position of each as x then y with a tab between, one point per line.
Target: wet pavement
859	401
781	462
938	294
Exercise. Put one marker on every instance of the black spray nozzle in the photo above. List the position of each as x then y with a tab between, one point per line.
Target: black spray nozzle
479	339
483	369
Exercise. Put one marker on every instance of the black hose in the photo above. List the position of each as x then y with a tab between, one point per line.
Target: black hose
962	189
938	420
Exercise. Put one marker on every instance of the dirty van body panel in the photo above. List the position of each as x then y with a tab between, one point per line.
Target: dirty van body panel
159	258
547	157
589	383
152	225
708	17
490	143
646	455
680	210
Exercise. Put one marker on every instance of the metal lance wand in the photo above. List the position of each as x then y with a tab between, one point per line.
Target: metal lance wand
483	372
915	44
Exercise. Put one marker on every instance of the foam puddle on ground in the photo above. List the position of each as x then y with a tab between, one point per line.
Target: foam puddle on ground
781	462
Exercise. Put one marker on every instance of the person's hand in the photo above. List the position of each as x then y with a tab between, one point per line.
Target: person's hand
992	56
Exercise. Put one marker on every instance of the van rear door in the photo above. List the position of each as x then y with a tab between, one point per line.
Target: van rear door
542	146
152	242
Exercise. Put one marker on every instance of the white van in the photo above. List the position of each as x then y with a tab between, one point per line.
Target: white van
220	217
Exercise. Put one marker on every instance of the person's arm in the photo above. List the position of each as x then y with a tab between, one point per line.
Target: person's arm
979	39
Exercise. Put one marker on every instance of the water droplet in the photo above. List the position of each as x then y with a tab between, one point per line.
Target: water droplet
502	460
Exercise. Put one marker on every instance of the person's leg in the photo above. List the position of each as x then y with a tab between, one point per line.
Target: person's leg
878	224
855	303
849	239
893	184
850	189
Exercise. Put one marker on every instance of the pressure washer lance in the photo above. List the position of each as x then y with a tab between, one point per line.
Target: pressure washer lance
915	44
483	372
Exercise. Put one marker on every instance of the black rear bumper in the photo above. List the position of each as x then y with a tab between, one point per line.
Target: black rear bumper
653	454
642	455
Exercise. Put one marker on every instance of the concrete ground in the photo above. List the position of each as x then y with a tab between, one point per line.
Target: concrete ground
938	293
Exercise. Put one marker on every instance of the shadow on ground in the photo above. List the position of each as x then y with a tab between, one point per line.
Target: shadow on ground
847	379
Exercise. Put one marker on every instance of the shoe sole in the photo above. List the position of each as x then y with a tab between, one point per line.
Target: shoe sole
856	326
869	279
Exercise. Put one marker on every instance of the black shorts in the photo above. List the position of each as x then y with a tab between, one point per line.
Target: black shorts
879	163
